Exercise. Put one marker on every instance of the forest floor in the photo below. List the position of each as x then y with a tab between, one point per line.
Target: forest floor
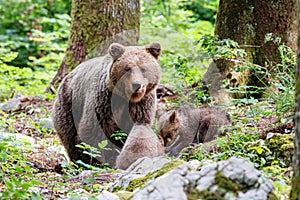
48	162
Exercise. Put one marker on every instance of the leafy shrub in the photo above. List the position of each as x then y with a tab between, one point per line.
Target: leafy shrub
23	80
33	44
203	9
19	19
16	174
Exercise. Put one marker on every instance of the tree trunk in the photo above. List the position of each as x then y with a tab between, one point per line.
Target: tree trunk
295	191
94	26
248	22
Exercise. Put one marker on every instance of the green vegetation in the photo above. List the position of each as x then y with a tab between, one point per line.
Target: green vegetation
139	182
33	39
16	172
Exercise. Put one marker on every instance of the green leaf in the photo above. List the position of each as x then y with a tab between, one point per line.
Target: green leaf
102	144
89	180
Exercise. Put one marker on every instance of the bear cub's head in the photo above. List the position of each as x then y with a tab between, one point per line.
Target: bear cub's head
135	71
168	125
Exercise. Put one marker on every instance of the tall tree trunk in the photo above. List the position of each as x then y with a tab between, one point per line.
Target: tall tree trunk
248	22
295	191
94	26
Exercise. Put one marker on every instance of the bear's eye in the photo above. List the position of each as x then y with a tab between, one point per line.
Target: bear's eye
128	70
169	135
143	70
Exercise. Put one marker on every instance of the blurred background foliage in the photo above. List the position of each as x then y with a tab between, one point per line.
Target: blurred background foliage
33	38
34	35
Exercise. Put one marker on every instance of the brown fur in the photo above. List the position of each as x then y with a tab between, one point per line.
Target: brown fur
186	125
106	94
141	142
169	129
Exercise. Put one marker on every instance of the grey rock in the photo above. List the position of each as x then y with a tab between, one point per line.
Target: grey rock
168	186
229	196
171	185
239	170
140	168
205	183
209	169
252	194
215	188
11	105
105	195
46	123
17	137
146	165
177	183
195	164
182	170
269	135
193	177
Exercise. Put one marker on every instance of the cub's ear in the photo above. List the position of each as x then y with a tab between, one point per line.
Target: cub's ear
173	117
154	49
116	50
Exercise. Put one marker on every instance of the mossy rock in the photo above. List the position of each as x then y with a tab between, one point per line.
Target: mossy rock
272	196
195	195
139	182
124	195
224	185
227	184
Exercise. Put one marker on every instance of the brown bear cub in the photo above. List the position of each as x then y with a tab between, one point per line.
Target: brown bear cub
180	127
104	95
141	142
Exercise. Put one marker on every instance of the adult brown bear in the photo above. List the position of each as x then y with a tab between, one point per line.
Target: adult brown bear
104	95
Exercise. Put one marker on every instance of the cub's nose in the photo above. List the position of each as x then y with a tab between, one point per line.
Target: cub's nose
136	85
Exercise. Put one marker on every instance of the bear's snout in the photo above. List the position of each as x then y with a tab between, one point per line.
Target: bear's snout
136	86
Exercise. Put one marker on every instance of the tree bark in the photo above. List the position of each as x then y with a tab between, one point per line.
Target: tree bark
248	22
295	191
94	26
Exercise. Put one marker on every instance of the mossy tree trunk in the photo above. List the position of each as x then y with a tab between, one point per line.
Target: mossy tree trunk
295	191
248	22
95	25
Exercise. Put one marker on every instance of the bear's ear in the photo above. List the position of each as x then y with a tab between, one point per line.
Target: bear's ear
173	117
154	49
116	50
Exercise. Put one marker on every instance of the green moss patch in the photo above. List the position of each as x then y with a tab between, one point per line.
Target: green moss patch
124	195
139	182
282	147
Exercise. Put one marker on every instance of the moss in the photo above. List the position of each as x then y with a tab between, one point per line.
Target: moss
195	195
118	188
139	182
282	147
225	183
295	191
272	196
124	195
